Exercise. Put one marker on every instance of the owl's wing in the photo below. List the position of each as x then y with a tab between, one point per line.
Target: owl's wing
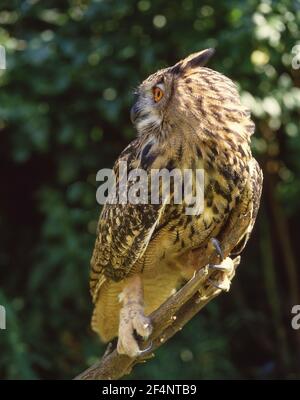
124	231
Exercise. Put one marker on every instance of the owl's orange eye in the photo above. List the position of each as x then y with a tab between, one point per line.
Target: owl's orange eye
157	94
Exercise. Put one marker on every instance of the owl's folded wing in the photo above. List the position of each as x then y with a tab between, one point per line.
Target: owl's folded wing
123	237
124	232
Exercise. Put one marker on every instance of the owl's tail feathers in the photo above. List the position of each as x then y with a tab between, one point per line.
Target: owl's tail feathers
105	319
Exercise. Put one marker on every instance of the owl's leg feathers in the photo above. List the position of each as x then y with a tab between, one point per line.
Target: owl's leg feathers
224	275
132	318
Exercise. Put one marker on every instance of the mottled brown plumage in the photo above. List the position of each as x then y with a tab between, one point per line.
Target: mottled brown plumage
199	123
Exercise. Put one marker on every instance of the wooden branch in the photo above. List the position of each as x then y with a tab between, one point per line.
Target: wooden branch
168	319
172	315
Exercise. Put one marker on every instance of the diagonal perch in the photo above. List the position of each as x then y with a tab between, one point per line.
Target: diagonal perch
172	315
168	319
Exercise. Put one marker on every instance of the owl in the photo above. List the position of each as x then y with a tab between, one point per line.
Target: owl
186	116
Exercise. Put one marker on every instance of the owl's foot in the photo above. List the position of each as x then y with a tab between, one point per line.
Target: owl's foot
133	321
225	273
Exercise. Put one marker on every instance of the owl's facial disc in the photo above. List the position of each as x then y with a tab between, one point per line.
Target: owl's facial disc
147	112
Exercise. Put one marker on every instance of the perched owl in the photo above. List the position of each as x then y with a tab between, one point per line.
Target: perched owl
187	117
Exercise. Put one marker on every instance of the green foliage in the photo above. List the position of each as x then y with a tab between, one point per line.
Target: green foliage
64	114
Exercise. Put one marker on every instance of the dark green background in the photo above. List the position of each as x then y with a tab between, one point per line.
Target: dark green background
64	114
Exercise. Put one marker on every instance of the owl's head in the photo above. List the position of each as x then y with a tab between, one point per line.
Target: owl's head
186	96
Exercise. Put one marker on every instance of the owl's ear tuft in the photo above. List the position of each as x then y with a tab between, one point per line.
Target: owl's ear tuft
176	69
192	61
198	59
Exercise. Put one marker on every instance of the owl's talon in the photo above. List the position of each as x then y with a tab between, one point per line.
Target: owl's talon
217	245
224	274
144	351
217	267
221	267
224	286
226	265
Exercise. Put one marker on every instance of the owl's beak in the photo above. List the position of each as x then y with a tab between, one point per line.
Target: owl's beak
134	113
